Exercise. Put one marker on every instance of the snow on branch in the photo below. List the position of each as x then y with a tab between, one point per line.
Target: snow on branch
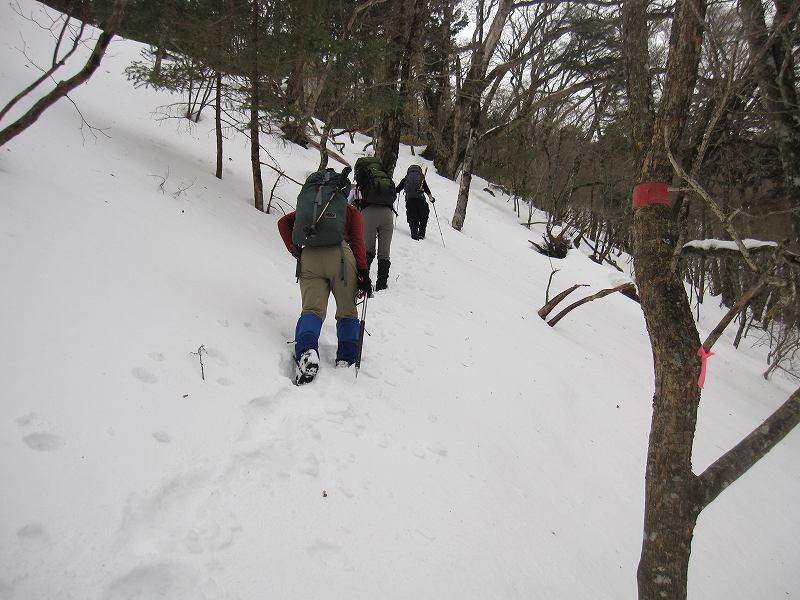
712	245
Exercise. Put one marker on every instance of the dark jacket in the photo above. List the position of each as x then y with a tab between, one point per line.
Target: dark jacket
400	186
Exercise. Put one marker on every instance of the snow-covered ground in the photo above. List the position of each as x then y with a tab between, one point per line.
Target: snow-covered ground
479	454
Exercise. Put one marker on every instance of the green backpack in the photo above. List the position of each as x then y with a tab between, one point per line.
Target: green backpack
321	211
376	186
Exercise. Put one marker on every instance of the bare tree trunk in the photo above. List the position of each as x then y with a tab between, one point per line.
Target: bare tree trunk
467	111
218	125
310	107
323	147
671	488
460	213
65	87
159	53
255	124
388	146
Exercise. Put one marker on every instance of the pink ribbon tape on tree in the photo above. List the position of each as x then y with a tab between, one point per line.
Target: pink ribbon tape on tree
646	194
704	356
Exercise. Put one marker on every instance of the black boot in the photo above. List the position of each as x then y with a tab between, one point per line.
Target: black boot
370	258
381	283
414	227
422	226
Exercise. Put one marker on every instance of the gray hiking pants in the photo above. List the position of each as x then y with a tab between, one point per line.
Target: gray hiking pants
378	223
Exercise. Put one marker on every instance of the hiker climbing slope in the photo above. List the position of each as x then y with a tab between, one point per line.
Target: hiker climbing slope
325	235
417	210
377	195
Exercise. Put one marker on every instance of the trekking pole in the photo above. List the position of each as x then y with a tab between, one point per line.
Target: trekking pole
433	204
361	329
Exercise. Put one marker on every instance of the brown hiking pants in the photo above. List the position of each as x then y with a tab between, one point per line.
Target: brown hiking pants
321	273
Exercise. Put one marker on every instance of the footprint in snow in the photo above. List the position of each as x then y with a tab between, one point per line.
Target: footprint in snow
144	375
310	466
161	437
326	553
158	580
438	450
33	537
31	420
264	404
43	442
156	356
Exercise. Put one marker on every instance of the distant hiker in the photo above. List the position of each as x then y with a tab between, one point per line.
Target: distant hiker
376	193
326	235
417	210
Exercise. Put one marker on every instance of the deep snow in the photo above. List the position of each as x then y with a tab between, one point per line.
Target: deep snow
479	454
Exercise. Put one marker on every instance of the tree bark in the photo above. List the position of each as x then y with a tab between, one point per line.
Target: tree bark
388	146
218	125
671	488
65	87
255	123
460	213
467	110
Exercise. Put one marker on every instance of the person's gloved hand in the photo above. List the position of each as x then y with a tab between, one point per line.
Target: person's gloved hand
364	283
433	200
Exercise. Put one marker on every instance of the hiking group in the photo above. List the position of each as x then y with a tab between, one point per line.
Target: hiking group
335	233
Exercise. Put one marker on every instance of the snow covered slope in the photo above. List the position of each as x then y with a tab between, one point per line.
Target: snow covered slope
479	454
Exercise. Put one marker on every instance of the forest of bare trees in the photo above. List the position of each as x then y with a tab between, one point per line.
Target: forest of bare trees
565	107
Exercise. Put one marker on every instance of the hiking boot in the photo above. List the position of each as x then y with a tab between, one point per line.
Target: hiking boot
307	367
382	282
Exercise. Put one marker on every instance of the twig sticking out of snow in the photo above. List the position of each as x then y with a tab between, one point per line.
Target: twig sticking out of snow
199	353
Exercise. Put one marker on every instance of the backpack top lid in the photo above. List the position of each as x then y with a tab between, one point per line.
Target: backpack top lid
321	212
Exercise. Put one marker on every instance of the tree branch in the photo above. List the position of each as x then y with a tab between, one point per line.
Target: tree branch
65	87
602	293
738	460
734	310
549	306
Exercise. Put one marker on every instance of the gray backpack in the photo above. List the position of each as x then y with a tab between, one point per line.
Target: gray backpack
413	182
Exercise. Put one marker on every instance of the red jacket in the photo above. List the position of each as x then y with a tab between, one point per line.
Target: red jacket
353	234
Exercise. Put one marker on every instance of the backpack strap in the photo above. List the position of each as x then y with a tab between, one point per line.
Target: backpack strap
318	201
